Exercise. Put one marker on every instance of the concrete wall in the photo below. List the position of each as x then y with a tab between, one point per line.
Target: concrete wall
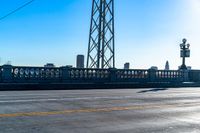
194	76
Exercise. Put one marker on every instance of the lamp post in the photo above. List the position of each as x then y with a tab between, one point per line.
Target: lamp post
185	53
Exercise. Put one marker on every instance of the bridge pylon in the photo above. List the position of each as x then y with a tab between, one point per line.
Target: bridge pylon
101	47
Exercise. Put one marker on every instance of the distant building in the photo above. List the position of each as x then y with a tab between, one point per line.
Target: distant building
167	66
8	63
49	65
69	66
127	66
154	68
80	61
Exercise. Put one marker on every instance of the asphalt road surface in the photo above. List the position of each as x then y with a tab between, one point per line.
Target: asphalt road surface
101	111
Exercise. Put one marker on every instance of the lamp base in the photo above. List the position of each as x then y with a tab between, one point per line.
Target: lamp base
183	67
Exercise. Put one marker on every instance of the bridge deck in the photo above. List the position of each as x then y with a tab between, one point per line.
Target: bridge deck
140	110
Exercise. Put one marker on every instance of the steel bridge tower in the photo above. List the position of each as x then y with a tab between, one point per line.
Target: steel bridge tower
101	48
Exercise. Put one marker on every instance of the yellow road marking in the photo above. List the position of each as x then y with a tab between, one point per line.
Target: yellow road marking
90	110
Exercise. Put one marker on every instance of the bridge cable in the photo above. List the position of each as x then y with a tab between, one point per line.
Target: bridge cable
17	9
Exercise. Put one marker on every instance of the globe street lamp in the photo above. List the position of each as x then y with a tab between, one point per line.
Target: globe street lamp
185	53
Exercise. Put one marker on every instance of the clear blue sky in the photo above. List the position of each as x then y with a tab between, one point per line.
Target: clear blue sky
148	32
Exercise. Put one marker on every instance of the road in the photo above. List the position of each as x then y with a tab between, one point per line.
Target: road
101	111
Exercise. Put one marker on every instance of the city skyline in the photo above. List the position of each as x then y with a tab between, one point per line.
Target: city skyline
56	31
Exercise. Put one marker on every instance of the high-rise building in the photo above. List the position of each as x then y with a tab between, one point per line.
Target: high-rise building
167	66
127	65
80	61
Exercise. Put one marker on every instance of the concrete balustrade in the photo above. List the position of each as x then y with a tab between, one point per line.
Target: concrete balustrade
18	74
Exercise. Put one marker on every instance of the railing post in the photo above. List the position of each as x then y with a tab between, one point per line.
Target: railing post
65	73
186	75
112	74
152	75
194	75
7	73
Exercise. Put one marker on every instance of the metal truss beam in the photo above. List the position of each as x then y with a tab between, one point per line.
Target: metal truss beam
101	47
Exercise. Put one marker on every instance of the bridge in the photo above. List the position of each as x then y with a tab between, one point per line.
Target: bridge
100	71
155	110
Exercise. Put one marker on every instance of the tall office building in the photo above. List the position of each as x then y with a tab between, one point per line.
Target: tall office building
127	65
80	61
167	66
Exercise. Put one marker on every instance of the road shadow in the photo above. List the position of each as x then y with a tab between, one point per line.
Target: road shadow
153	90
